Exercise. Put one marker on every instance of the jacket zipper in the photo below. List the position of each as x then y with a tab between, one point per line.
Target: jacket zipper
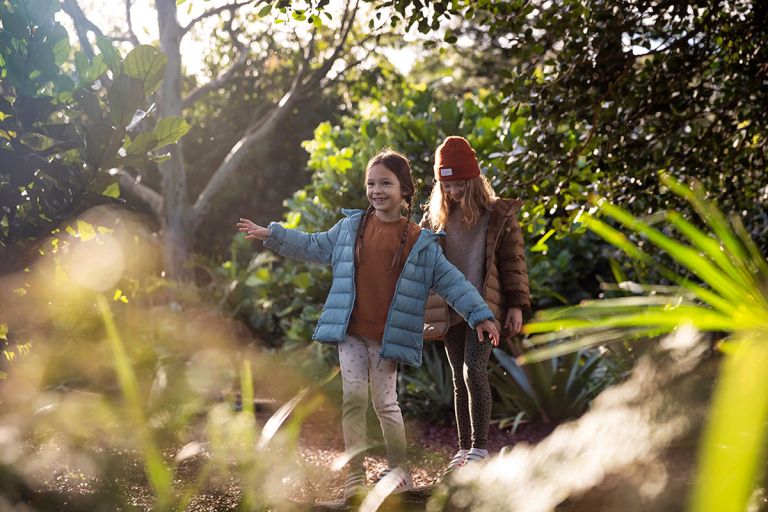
397	288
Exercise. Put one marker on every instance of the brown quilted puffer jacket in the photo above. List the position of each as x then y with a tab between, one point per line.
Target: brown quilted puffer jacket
506	274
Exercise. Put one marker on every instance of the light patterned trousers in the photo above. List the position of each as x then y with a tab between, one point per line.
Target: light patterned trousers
362	368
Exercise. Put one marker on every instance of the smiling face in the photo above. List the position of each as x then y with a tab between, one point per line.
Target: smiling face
454	190
384	192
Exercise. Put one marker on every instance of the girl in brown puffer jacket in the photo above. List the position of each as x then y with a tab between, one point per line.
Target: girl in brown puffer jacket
485	242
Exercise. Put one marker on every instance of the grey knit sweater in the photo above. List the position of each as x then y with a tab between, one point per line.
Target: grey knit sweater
465	248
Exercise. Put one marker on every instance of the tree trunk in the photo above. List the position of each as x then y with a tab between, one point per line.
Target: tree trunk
176	207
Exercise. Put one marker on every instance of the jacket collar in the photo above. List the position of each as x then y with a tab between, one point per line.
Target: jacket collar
426	237
506	207
352	212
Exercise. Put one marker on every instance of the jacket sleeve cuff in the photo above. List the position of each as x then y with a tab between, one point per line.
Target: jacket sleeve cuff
276	236
518	300
476	317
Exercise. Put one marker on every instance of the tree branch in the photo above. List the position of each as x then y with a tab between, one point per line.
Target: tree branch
267	124
224	77
347	21
131	34
213	12
214	84
135	188
82	25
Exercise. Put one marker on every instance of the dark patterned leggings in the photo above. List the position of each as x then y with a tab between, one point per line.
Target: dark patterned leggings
471	391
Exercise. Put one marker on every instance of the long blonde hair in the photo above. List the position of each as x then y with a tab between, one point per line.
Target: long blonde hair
478	197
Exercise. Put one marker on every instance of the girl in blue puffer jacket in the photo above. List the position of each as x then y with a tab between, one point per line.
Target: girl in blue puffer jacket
383	268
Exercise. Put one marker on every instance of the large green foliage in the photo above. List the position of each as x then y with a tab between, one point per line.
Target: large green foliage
64	121
617	90
286	297
722	291
554	390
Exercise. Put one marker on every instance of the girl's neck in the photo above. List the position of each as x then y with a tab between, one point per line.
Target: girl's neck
388	216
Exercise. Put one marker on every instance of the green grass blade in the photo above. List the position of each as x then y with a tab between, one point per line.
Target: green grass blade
696	197
158	474
681	253
702	318
713	250
246	387
588	340
757	260
619	240
733	450
591	308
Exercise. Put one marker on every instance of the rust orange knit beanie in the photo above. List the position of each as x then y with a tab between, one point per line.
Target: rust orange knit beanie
455	160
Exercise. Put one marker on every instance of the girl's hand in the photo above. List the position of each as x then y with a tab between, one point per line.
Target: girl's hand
488	326
252	230
513	322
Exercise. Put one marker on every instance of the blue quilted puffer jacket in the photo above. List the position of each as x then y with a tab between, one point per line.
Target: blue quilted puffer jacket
425	268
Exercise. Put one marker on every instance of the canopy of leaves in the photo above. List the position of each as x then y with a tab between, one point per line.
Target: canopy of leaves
61	122
616	91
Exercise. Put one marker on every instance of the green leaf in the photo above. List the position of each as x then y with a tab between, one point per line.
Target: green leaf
734	441
302	280
61	47
169	130
85	230
81	63
92	71
110	55
113	190
517	373
264	11
147	64
142	144
125	96
618	239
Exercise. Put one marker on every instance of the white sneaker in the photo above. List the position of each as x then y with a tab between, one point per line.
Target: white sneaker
400	478
476	455
457	461
354	485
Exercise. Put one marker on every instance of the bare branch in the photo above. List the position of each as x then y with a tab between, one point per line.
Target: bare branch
219	81
213	12
347	21
265	125
342	74
82	25
131	34
234	159
135	188
224	77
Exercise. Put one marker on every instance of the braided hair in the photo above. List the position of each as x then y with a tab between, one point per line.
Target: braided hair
400	166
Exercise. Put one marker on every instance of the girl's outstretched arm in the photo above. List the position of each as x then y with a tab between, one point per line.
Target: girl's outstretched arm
298	245
450	283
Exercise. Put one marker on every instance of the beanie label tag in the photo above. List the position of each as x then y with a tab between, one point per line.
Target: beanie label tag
446	171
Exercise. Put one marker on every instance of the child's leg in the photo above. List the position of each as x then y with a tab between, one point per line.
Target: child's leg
476	355
353	359
383	375
454	348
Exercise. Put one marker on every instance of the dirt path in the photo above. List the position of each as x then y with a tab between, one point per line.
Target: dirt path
320	443
430	449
